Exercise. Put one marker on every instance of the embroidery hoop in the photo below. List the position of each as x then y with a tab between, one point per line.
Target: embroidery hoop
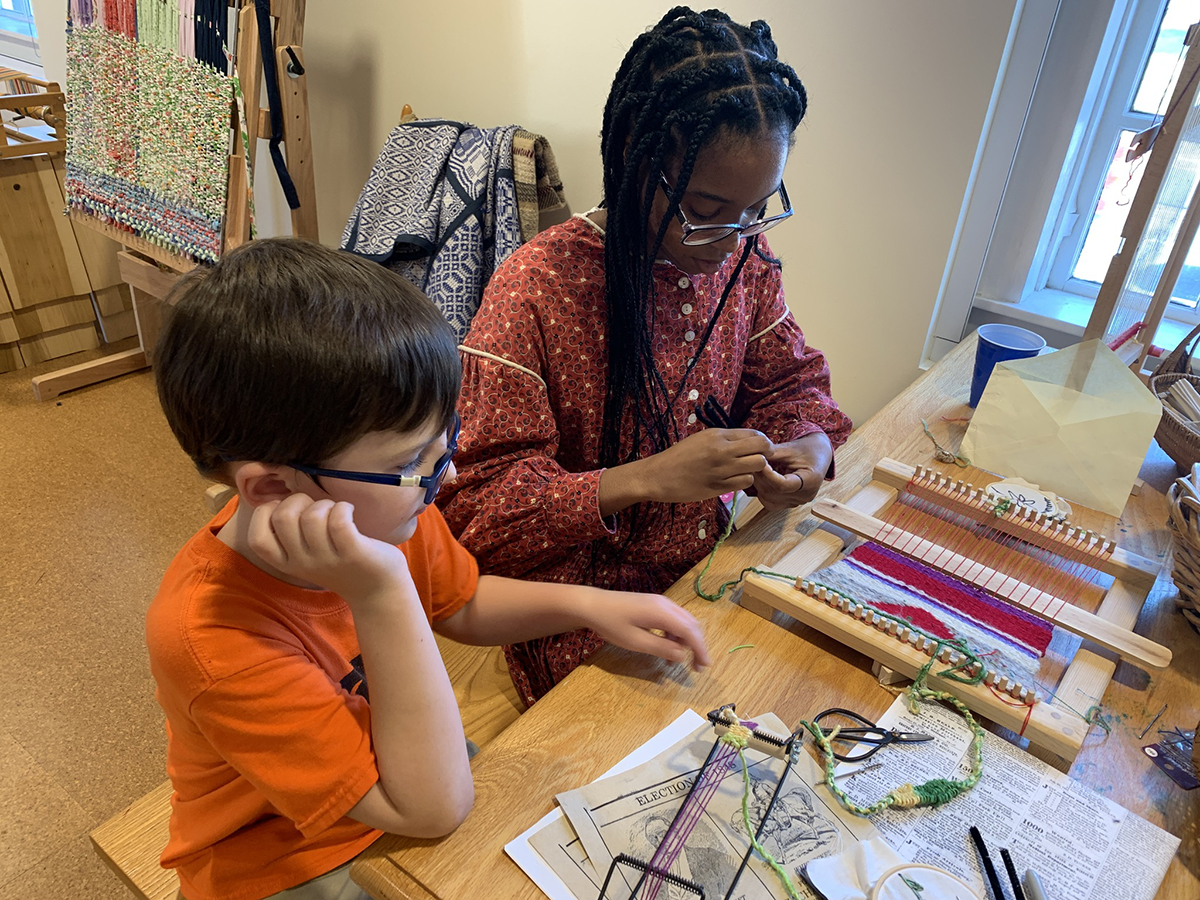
945	880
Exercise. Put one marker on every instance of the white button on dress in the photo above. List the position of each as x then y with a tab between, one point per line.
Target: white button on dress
692	419
689	336
686	309
693	395
684	283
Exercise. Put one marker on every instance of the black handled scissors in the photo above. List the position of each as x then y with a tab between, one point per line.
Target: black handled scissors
861	737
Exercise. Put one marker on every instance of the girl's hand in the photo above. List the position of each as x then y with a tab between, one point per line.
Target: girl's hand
317	541
706	464
647	623
794	473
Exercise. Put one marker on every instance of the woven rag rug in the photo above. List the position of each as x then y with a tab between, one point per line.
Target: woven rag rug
148	146
535	174
1010	640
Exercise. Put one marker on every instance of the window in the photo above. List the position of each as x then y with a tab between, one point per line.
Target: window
18	35
1051	188
1145	76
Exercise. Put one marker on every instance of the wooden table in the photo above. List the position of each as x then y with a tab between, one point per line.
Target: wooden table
606	708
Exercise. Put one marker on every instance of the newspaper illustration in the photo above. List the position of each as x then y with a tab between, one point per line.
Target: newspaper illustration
630	813
563	852
1082	845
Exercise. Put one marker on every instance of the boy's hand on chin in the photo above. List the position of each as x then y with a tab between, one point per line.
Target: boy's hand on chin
317	541
647	623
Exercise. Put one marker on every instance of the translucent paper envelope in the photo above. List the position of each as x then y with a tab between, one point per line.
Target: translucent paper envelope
1076	422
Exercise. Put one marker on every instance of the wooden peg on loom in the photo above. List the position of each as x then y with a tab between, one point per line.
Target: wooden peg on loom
1022	523
1128	644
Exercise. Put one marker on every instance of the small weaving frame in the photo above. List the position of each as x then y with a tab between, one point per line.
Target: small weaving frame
1054	723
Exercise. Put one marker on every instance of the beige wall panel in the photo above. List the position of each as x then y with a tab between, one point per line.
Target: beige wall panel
99	253
8	330
118	327
114	300
10	358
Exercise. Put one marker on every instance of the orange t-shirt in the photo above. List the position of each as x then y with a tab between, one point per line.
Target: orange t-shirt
268	723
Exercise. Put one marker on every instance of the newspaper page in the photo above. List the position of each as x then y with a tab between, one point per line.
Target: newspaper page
560	847
1082	845
630	813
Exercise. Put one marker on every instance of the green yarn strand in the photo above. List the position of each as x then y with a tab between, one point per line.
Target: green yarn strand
759	848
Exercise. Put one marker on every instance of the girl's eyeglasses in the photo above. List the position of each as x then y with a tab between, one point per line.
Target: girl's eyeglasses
432	482
696	235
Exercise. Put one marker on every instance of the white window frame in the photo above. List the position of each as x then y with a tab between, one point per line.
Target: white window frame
21	49
1112	117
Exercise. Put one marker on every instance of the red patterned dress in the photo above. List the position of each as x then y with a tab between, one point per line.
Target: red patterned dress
526	499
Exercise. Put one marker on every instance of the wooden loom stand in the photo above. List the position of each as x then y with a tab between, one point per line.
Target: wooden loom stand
48	105
152	271
1163	139
1050	724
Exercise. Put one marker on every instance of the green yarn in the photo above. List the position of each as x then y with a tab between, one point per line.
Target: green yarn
158	24
733	582
930	793
950	674
759	848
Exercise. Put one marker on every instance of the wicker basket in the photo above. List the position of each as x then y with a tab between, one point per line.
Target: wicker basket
1179	440
1183	517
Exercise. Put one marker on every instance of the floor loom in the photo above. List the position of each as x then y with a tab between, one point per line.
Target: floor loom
1022	560
151	270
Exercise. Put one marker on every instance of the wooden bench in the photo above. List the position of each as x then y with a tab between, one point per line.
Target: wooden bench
132	841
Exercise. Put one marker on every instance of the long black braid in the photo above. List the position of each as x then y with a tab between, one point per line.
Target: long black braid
689	79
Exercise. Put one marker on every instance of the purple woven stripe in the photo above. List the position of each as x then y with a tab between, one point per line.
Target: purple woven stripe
963	587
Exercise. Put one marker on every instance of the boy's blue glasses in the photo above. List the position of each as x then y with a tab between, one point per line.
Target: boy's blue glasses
432	483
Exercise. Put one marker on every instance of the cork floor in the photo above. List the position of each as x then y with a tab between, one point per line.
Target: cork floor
96	497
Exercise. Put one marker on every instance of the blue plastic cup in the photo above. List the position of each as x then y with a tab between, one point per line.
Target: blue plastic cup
998	343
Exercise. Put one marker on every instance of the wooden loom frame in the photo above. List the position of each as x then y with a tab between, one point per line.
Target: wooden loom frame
1049	723
1163	138
47	105
150	270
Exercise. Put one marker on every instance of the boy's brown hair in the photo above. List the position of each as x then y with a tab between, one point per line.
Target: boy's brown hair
287	352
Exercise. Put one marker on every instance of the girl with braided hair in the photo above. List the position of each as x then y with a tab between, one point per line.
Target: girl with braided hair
630	366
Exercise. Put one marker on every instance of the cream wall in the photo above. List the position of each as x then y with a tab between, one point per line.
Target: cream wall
898	93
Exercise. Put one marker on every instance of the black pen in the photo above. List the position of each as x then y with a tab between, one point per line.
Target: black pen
1012	874
988	869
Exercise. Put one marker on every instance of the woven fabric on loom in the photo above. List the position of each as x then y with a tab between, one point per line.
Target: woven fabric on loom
148	146
1008	639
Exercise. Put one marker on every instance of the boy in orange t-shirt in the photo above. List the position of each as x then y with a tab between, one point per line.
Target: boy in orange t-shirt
292	637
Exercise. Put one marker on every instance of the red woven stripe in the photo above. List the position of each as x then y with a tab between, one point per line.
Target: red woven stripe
995	615
921	618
